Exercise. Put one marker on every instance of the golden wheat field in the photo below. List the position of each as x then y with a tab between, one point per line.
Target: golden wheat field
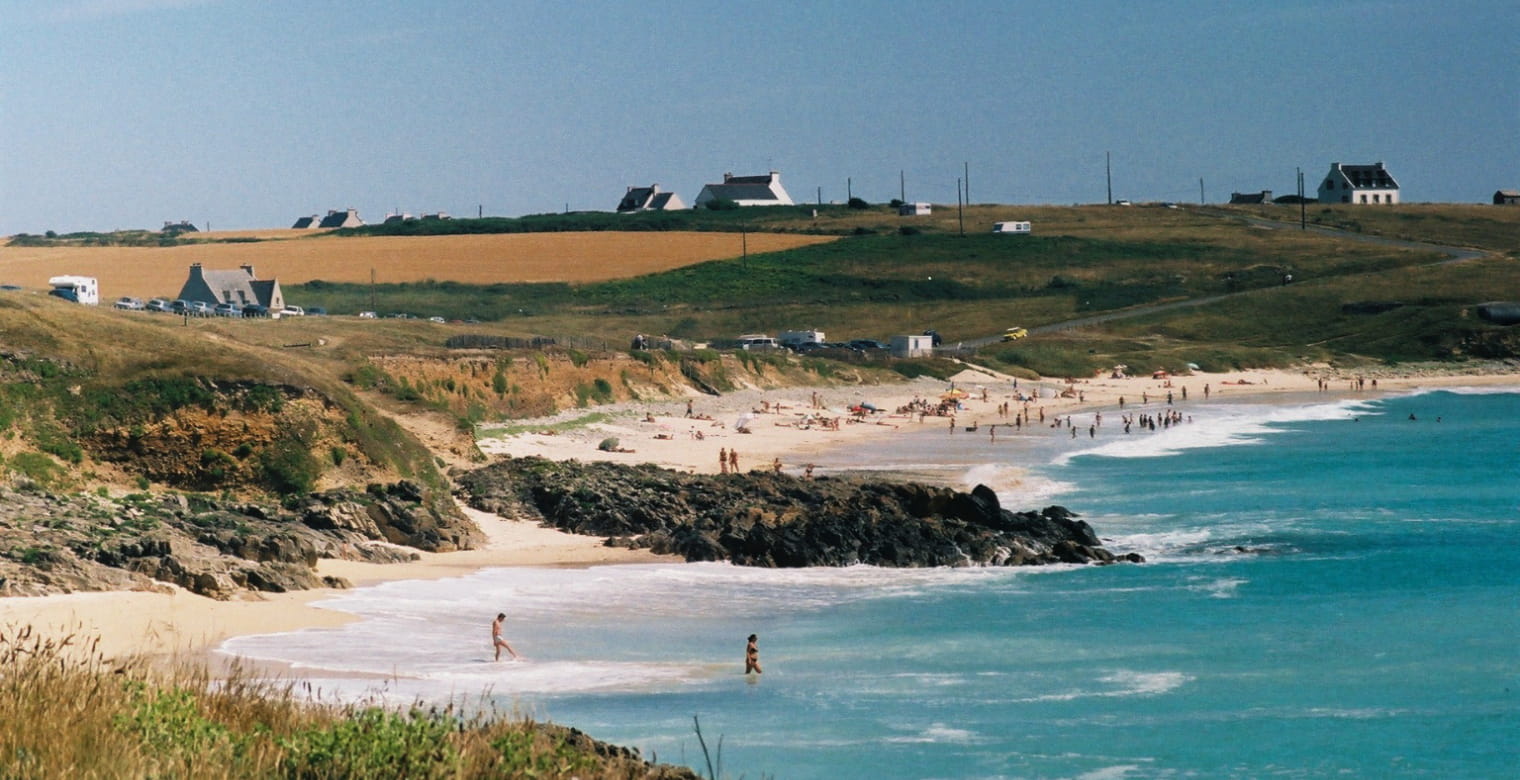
474	259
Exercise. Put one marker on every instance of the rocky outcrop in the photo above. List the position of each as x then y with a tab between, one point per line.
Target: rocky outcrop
59	544
775	520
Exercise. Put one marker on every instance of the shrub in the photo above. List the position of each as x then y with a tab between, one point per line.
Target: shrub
858	203
609	444
721	204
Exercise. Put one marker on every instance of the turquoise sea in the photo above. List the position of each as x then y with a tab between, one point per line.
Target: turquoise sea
1332	589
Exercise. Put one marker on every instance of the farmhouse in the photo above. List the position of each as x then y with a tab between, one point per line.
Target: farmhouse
240	287
650	198
307	223
746	191
341	219
183	226
914	210
1359	184
1507	198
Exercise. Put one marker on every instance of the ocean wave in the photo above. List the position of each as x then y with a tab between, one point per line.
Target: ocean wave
1222	426
938	733
1128	682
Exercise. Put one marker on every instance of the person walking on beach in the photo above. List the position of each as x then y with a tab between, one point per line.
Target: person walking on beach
752	655
497	640
723	460
733	461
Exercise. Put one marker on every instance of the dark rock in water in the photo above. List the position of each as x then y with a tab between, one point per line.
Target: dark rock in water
776	520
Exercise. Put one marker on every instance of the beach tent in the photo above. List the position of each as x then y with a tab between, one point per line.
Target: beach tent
742	424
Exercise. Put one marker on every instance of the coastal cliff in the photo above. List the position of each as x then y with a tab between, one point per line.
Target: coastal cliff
776	520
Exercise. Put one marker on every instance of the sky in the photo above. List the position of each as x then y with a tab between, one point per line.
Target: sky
242	114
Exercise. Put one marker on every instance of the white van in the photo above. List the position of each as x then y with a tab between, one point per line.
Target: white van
757	342
1016	228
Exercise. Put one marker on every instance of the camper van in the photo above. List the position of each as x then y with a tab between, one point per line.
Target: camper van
793	339
1015	228
79	289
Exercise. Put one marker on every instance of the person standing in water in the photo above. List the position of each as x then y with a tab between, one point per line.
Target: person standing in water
497	640
752	655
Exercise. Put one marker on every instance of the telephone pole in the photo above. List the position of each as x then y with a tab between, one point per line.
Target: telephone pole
1108	173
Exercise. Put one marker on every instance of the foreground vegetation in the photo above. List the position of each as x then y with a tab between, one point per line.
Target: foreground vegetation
65	712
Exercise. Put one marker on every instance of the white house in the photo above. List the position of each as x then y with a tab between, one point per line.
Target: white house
1359	184
746	191
240	287
650	198
914	210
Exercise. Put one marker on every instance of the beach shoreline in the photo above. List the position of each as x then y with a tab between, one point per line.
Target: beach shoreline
791	427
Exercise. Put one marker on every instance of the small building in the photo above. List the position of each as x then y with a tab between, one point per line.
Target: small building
912	346
348	218
307	223
78	289
1250	198
650	198
1359	184
392	219
241	287
914	210
1507	198
183	226
746	191
438	216
1011	228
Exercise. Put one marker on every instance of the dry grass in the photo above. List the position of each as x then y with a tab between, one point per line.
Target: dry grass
67	712
472	259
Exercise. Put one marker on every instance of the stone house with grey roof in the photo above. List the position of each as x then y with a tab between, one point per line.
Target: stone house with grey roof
746	191
1359	184
341	219
650	198
240	287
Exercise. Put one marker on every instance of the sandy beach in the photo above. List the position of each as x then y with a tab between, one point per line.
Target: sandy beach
786	426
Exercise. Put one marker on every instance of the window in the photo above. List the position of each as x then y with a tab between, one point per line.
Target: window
1364	197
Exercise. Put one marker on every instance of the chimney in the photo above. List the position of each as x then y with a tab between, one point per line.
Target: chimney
726	177
249	270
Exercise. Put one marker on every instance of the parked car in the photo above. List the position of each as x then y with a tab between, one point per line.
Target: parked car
865	344
934	337
292	311
228	310
437	319
129	303
197	308
1015	333
255	310
316	311
159	304
367	315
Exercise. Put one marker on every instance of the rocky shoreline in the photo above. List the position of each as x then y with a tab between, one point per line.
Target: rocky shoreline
777	520
72	543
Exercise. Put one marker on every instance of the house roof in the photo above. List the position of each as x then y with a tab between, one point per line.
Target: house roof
306	222
747	189
1365	177
650	198
338	219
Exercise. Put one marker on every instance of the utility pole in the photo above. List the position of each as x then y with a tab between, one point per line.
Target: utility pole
966	166
372	289
1108	172
1303	211
480	210
960	209
849	189
820	196
1200	191
902	186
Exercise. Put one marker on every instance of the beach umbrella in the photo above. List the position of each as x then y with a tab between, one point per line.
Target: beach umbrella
743	421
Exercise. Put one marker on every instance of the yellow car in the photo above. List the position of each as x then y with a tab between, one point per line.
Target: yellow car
1014	334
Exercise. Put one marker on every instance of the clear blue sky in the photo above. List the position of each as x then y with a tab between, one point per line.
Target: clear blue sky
250	113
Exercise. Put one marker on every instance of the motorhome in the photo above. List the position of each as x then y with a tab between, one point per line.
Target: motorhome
793	339
79	289
1015	228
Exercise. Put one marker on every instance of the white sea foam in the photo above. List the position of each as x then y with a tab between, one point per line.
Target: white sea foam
1123	682
938	733
1222	426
